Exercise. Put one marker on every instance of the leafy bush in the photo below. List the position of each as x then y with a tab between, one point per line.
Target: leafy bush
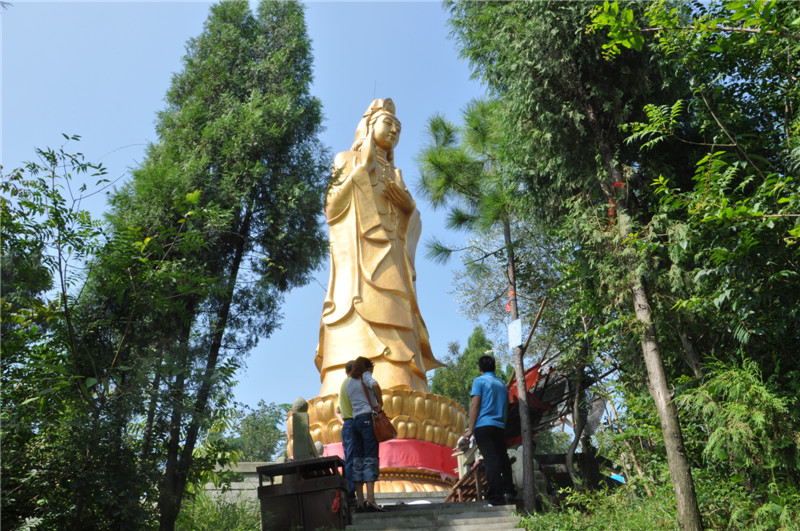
621	508
211	513
724	504
751	455
729	503
746	420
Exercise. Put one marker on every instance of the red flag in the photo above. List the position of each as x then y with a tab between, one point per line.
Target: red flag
508	304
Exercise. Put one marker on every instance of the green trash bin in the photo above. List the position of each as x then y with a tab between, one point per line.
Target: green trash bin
311	496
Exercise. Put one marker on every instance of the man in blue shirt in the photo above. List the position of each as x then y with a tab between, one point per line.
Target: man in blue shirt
487	421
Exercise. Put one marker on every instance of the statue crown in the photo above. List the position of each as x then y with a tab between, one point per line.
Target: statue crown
385	105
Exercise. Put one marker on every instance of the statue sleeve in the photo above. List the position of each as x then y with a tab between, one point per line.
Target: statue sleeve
340	189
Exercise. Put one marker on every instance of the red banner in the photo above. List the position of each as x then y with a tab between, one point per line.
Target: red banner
410	453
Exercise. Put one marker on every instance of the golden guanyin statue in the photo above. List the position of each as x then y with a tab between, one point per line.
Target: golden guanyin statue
371	307
371	310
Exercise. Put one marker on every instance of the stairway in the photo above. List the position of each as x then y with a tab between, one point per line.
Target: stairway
463	516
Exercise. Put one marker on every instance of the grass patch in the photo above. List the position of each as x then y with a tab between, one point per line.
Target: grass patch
621	508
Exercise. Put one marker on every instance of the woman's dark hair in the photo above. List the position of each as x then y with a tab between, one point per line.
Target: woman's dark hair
360	366
486	364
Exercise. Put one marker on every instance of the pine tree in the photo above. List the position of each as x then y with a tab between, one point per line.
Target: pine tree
463	170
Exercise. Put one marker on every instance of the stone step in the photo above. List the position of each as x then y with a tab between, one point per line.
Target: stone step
444	509
506	526
455	507
399	525
467	516
422	522
392	526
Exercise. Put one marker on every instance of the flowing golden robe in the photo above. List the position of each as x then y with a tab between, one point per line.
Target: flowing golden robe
371	306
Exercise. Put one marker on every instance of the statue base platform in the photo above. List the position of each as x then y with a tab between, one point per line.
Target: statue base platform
408	465
420	459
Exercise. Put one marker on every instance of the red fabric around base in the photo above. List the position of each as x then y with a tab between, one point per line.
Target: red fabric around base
409	453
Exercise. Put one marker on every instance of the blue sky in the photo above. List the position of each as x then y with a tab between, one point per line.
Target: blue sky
101	70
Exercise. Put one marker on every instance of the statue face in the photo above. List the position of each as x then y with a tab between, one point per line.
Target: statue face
386	132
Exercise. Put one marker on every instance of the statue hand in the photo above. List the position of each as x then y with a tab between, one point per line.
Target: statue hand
399	197
368	150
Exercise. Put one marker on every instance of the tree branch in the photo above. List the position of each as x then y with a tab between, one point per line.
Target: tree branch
729	29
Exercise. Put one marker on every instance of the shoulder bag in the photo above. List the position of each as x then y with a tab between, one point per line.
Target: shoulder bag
384	430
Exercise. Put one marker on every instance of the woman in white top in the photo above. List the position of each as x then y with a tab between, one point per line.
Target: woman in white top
365	446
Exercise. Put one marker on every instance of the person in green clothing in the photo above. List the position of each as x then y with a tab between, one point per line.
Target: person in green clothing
344	412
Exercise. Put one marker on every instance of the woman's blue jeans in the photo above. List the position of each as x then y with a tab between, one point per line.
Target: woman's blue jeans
365	450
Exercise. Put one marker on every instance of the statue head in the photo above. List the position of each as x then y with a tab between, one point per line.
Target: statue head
378	109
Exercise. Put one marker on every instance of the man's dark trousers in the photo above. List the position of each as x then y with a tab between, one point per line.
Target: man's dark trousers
492	444
347	450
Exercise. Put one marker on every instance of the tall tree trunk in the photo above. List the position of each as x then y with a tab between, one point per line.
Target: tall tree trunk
526	429
589	467
578	424
147	437
680	471
168	497
692	355
122	490
180	472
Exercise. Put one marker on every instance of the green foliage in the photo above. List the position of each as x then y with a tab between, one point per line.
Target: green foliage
743	202
259	434
37	215
661	146
740	439
562	102
728	503
112	393
465	169
205	512
725	505
746	421
731	230
553	441
620	508
637	431
620	31
65	464
742	219
460	169
562	107
481	290
239	165
455	379
719	24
